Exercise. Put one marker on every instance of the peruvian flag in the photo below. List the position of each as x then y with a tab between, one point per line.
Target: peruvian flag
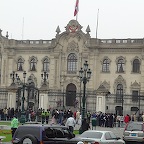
76	7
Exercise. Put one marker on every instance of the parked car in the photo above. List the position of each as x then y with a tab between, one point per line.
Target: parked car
42	134
98	137
134	132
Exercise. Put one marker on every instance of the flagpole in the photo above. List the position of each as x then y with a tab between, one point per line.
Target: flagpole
76	16
23	29
97	23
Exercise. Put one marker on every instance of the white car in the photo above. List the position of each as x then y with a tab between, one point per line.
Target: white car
98	137
134	133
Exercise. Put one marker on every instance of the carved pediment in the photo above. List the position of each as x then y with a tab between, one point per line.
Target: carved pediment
135	85
72	46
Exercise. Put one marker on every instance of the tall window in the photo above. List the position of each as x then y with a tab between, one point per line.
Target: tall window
33	64
135	96
20	64
119	93
136	66
45	65
105	66
120	66
72	63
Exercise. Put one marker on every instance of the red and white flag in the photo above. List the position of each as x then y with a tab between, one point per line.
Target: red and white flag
76	7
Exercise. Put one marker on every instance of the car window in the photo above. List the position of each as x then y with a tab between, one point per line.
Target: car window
113	136
107	136
59	133
90	134
134	127
50	133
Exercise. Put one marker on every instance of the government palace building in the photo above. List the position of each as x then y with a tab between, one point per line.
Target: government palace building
51	74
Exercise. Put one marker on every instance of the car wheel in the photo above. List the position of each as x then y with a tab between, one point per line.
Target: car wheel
28	139
126	142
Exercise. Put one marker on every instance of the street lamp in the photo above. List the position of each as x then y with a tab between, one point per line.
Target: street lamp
14	77
63	99
23	114
80	94
122	100
84	75
62	85
44	76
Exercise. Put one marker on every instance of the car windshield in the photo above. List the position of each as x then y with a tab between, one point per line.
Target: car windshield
134	127
90	134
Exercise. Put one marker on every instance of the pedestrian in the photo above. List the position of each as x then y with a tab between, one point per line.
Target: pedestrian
133	117
70	123
77	117
14	124
43	116
47	114
53	120
127	119
85	125
121	120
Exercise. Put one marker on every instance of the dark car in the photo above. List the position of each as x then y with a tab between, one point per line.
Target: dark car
42	134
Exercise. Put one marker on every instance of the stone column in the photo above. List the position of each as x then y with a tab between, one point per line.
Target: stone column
11	102
43	100
43	97
101	103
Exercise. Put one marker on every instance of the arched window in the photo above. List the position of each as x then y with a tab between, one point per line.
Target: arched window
72	63
136	66
33	64
45	65
120	66
105	66
119	93
20	64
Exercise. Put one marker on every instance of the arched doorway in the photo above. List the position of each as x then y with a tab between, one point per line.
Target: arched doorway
70	94
118	110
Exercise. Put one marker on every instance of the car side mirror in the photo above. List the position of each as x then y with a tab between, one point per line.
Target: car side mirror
80	142
118	138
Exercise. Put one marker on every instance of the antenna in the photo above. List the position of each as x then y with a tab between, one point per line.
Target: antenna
97	23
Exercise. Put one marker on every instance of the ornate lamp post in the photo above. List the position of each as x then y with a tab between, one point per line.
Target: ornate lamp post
23	114
14	77
80	97
44	76
84	75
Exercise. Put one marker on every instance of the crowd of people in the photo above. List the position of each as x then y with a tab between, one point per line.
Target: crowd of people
70	118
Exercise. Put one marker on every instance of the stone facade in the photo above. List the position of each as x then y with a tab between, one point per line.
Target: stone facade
117	67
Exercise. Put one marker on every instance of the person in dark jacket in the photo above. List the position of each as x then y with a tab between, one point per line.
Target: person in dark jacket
85	125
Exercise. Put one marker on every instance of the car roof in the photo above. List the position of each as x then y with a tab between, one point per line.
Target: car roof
139	122
102	131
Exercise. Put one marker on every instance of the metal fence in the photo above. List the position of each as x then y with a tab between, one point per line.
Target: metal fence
57	99
113	101
3	98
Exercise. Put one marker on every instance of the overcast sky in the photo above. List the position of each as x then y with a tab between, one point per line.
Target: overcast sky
38	19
